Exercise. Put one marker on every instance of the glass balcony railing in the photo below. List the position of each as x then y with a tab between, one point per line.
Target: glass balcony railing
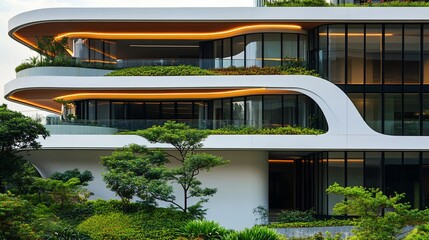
114	126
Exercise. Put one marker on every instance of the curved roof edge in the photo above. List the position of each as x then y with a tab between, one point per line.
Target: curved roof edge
297	14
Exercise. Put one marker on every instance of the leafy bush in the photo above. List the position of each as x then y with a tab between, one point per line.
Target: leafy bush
288	216
84	177
421	232
247	71
161	71
257	232
319	223
297	3
199	229
288	130
66	233
319	236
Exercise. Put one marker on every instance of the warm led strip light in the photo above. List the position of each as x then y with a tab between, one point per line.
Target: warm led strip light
281	161
181	35
356	34
34	104
169	95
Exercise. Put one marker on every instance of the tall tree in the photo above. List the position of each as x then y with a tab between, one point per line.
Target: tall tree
17	132
151	180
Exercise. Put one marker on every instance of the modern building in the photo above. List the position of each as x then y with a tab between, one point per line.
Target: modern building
372	97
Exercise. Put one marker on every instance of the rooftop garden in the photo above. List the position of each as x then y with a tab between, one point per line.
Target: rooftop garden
196	71
322	3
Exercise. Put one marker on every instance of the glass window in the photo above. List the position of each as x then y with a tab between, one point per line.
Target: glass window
373	111
184	110
217	113
355	169
226	53
136	110
337	53
273	110
304	111
289	110
426	54
272	49
425	186
323	52
226	113
91	110
425	115
412	54
254	50
254	111
238	51
302	47
355	57
217	53
357	99
393	113
373	169
393	54
200	110
168	110
411	114
373	54
289	46
118	110
393	172
336	174
153	110
238	111
103	110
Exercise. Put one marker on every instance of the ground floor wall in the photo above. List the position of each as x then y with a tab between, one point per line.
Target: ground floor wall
242	184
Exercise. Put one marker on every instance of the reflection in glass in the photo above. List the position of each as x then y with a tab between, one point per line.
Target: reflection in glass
393	54
217	53
238	111
289	46
373	110
254	50
273	110
411	54
393	113
355	54
103	110
272	49
411	114
373	54
226	53
303	47
323	52
238	51
305	118
426	54
254	111
337	53
357	99
91	110
289	110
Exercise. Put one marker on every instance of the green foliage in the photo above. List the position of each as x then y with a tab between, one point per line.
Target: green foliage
297	3
291	68
261	214
318	223
65	233
288	216
257	232
319	236
160	223
84	177
110	226
181	70
50	48
419	233
50	191
17	132
185	140
137	171
200	229
381	217
288	130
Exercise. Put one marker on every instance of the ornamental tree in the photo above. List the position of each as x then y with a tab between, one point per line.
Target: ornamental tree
17	132
138	171
381	217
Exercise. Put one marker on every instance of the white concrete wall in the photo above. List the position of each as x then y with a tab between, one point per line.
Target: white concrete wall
242	184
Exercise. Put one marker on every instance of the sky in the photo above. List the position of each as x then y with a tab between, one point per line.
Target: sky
12	53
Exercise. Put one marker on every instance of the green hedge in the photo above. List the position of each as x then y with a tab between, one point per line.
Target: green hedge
293	68
319	223
322	3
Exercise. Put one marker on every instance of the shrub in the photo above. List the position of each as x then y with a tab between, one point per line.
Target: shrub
181	70
421	232
288	130
66	233
207	230
110	226
288	216
248	71
257	232
319	223
297	3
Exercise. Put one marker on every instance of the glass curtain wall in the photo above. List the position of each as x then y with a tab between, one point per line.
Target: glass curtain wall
383	68
259	49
